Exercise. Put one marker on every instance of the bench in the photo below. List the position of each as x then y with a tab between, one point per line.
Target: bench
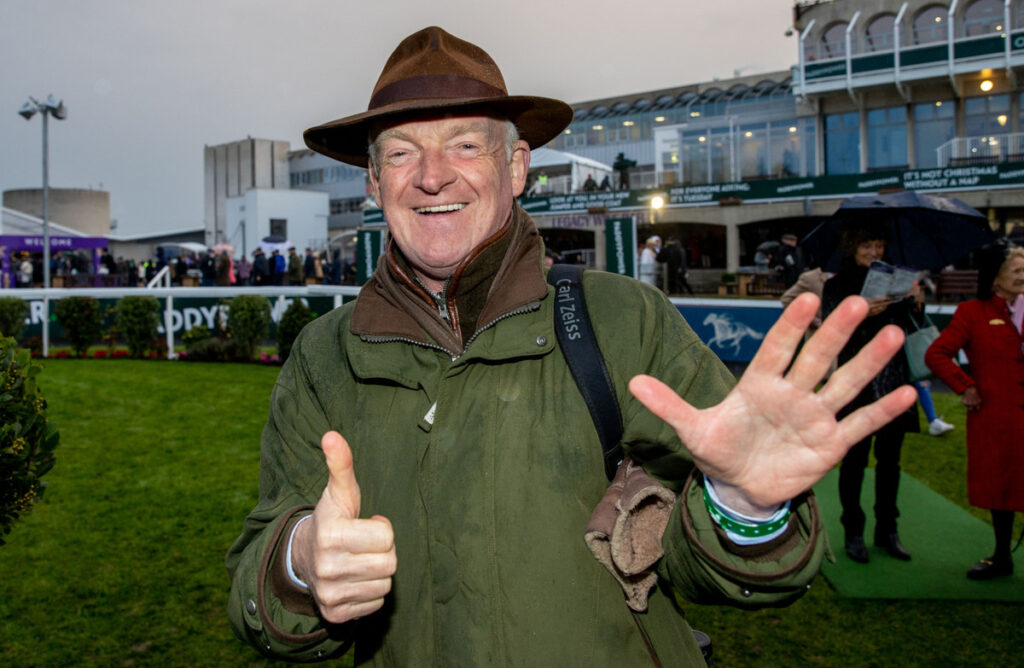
766	284
954	285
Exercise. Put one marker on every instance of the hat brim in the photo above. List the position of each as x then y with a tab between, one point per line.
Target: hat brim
538	119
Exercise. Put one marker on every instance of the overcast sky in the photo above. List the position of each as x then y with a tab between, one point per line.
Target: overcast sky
148	83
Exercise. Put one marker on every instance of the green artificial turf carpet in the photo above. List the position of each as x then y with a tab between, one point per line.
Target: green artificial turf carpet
943	539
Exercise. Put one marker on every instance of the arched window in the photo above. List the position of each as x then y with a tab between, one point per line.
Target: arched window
833	41
983	17
878	36
930	25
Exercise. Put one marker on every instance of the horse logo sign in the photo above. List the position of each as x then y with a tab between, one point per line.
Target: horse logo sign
729	333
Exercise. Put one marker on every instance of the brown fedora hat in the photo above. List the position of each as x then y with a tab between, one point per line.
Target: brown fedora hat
434	71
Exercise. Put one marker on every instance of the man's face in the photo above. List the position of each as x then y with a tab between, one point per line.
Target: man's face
445	186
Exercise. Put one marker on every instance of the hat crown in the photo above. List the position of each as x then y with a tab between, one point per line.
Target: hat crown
433	63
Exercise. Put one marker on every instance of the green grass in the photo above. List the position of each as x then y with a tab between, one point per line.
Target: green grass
122	562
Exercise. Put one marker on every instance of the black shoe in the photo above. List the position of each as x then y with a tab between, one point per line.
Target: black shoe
986	569
855	549
891	543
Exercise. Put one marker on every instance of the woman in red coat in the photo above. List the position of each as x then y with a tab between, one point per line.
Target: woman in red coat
988	329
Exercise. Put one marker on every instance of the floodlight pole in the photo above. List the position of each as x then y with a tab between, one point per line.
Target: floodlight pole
46	197
27	111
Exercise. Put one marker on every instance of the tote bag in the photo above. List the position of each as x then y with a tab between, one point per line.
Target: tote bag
916	344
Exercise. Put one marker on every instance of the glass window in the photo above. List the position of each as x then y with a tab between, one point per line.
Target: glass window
878	36
753	151
887	137
786	159
695	157
986	115
983	17
934	125
720	162
930	25
833	41
842	143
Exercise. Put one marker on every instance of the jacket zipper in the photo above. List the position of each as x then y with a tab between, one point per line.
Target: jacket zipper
401	339
532	306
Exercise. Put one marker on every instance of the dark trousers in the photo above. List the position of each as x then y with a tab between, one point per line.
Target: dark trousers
888	443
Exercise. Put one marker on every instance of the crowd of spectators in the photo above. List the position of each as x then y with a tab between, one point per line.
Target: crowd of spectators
78	269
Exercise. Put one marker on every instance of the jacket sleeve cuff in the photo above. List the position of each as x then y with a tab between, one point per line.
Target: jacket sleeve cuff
706	567
283	585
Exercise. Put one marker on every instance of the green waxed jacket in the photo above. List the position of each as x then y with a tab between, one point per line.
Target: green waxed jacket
488	465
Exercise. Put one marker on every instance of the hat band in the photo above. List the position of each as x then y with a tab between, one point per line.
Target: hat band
433	86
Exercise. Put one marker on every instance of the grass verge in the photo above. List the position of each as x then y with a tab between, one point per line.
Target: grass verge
121	564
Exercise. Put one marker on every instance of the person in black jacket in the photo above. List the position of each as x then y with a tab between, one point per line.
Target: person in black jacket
260	268
862	244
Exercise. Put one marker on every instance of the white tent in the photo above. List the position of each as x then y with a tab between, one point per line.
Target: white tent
576	166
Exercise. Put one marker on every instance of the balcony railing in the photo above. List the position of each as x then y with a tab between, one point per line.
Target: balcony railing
981	150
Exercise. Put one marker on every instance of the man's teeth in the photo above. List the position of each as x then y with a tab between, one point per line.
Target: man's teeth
442	208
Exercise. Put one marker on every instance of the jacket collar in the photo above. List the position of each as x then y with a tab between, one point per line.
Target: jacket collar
501	275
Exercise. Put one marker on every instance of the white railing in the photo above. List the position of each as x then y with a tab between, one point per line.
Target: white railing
981	150
273	293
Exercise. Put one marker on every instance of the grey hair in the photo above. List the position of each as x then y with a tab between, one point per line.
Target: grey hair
373	148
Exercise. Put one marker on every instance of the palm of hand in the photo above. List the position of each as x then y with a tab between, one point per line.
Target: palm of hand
773	436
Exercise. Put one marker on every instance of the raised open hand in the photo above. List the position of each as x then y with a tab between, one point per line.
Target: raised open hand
347	562
773	436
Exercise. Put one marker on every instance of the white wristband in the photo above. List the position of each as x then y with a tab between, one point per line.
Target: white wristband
288	555
736	515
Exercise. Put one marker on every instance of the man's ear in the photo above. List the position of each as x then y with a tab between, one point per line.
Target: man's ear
374	184
519	166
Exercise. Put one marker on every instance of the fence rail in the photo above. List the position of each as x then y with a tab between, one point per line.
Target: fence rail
275	294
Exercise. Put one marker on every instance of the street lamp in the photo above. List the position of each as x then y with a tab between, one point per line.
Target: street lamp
56	108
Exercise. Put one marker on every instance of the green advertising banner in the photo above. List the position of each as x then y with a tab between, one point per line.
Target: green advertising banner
620	246
369	246
187	313
964	177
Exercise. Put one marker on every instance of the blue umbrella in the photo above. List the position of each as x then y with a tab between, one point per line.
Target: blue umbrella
925	231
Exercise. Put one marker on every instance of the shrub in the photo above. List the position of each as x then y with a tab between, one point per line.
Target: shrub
294	319
248	322
82	321
13	311
27	440
212	349
137	321
195	335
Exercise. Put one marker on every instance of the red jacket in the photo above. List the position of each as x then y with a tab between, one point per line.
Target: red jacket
995	432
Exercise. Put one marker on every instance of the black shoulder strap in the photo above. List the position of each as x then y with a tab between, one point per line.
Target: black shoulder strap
579	345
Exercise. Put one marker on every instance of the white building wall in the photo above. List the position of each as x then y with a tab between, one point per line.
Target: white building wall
231	170
248	218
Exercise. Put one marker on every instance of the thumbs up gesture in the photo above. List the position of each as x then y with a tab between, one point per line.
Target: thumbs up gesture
347	562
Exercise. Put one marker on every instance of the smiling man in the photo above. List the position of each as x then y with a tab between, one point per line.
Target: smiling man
481	503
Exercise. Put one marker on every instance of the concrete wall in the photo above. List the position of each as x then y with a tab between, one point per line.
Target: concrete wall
87	211
248	218
229	170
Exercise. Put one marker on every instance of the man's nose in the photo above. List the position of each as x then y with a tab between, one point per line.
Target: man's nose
435	172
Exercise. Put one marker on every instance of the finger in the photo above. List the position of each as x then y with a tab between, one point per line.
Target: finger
358	536
662	400
817	355
867	420
348	612
344	567
339	609
849	379
342	487
776	351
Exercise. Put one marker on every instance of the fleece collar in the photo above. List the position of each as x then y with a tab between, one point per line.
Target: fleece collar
500	275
